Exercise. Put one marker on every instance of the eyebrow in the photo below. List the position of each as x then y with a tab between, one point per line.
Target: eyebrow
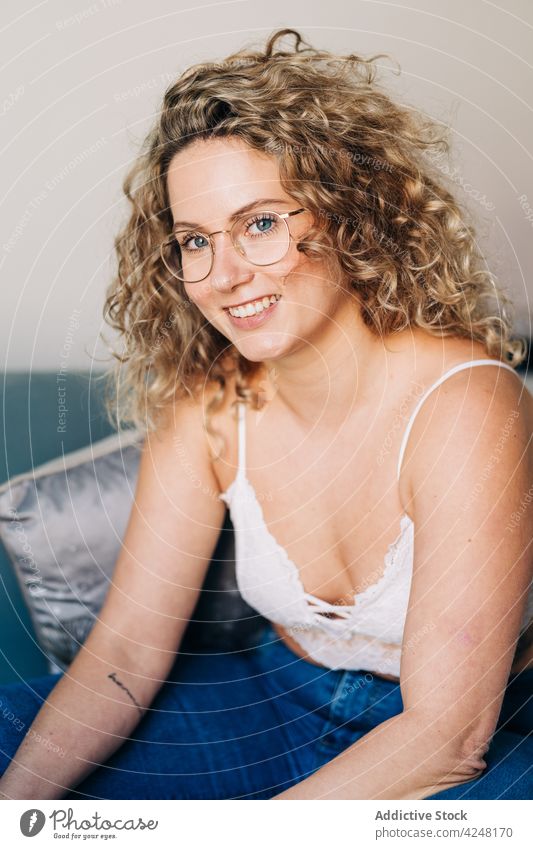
238	212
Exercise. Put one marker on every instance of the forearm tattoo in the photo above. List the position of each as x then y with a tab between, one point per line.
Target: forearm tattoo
121	685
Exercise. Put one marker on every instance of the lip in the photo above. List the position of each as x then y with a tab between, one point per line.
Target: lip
250	321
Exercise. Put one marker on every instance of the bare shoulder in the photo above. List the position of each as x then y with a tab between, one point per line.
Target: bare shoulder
182	431
467	413
182	414
205	395
492	383
475	412
491	389
485	400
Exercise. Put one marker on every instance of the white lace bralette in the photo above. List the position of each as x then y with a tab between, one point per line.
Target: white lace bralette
364	635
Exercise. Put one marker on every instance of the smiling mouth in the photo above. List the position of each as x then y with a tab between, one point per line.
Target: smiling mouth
253	307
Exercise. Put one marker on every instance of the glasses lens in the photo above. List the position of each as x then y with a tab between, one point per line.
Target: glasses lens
262	238
187	255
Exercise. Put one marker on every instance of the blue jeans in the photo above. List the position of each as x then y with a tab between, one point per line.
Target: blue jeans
248	725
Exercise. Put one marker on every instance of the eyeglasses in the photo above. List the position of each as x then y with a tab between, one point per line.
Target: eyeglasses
262	238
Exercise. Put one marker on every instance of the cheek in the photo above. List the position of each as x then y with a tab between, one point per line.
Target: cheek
316	270
309	281
295	262
199	294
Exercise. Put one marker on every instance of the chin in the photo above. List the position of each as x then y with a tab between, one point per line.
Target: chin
270	349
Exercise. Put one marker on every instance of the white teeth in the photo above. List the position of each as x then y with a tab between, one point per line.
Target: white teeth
255	307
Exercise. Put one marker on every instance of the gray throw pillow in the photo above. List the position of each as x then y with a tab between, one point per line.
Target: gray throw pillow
62	526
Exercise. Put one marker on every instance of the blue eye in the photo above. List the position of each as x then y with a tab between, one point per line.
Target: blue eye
263	223
193	242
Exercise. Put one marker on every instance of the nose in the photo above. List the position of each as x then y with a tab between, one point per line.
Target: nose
228	265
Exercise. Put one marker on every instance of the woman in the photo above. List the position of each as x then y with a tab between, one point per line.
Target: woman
291	255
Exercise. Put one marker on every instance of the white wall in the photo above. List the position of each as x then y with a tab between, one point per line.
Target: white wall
81	81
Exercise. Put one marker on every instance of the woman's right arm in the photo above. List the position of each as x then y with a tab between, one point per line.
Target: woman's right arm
172	532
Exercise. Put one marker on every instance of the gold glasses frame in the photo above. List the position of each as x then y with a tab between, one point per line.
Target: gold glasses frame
209	236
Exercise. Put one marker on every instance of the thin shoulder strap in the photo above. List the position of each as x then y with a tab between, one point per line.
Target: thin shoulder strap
241	407
437	383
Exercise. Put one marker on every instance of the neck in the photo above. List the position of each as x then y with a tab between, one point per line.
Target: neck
331	376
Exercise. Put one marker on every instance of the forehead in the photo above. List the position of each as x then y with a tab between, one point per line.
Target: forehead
211	178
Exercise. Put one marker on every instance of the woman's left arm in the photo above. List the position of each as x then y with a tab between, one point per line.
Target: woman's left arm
467	474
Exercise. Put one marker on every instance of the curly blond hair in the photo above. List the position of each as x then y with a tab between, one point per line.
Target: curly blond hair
348	153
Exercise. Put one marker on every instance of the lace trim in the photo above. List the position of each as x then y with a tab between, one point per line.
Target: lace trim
381	658
392	565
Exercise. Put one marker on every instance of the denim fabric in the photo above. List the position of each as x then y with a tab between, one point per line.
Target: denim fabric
248	725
